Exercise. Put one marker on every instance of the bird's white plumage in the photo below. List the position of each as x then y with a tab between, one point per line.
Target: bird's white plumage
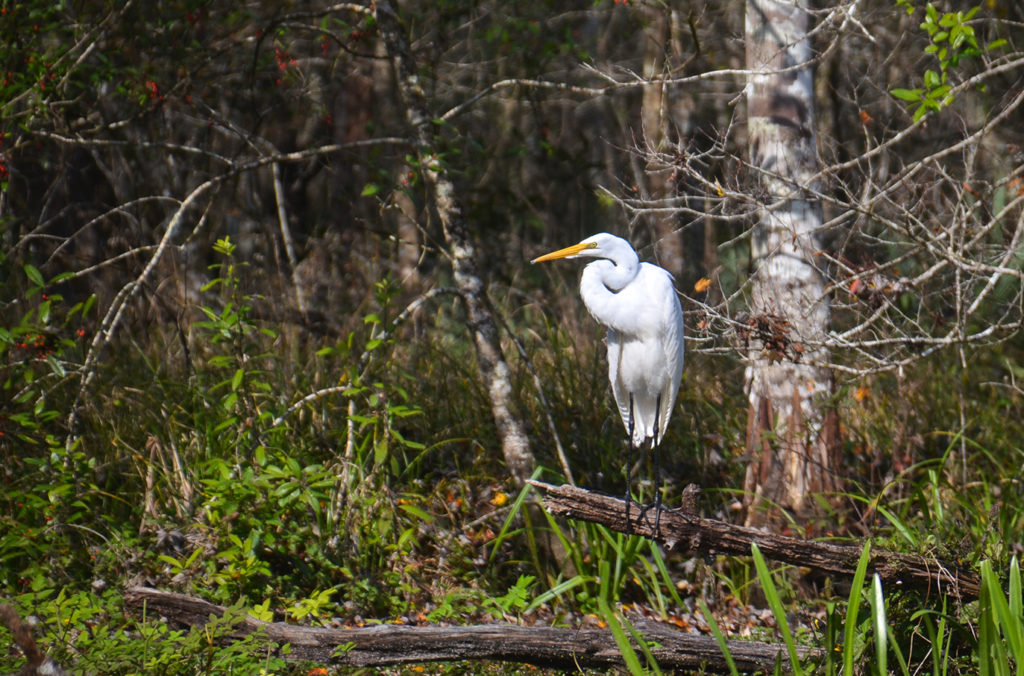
637	303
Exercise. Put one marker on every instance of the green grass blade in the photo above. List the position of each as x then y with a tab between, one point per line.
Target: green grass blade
985	628
853	608
644	646
612	620
559	589
575	549
933	622
897	651
659	561
1015	589
881	627
992	657
949	641
651	586
506	528
771	594
898	524
719	637
1002	618
1016	616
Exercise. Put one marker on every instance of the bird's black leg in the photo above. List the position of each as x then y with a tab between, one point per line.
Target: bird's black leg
629	457
656	467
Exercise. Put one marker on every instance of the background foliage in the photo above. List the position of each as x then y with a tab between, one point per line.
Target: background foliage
214	382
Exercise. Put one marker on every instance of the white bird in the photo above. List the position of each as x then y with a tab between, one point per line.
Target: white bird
637	303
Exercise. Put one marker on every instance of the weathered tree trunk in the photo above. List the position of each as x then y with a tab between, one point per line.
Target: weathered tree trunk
666	113
657	133
790	436
493	367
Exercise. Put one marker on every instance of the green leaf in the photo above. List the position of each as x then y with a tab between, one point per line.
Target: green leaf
224	246
417	512
33	274
996	44
228	403
262	612
55	365
380	452
369	190
170	560
907	94
236	380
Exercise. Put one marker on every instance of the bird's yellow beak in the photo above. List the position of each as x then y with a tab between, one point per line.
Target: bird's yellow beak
566	252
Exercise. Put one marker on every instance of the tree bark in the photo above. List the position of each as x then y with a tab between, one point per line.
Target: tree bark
494	369
389	644
791	436
657	132
709	536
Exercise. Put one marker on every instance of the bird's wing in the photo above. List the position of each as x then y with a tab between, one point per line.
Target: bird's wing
673	345
614	362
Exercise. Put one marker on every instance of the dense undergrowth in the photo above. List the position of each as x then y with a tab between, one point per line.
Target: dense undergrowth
355	479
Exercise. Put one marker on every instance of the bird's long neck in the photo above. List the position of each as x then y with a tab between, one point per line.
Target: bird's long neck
615	275
600	284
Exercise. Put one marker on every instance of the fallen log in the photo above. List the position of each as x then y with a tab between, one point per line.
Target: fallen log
679	527
389	644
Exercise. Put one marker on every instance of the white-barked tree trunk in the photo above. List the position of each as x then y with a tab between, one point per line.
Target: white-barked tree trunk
790	437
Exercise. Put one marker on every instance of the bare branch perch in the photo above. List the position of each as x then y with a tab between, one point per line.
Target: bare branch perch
901	571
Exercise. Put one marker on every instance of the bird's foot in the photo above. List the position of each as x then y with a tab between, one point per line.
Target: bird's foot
657	506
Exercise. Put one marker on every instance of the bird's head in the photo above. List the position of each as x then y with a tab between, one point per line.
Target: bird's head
601	245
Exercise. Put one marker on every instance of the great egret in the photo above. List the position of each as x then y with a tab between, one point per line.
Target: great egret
638	305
